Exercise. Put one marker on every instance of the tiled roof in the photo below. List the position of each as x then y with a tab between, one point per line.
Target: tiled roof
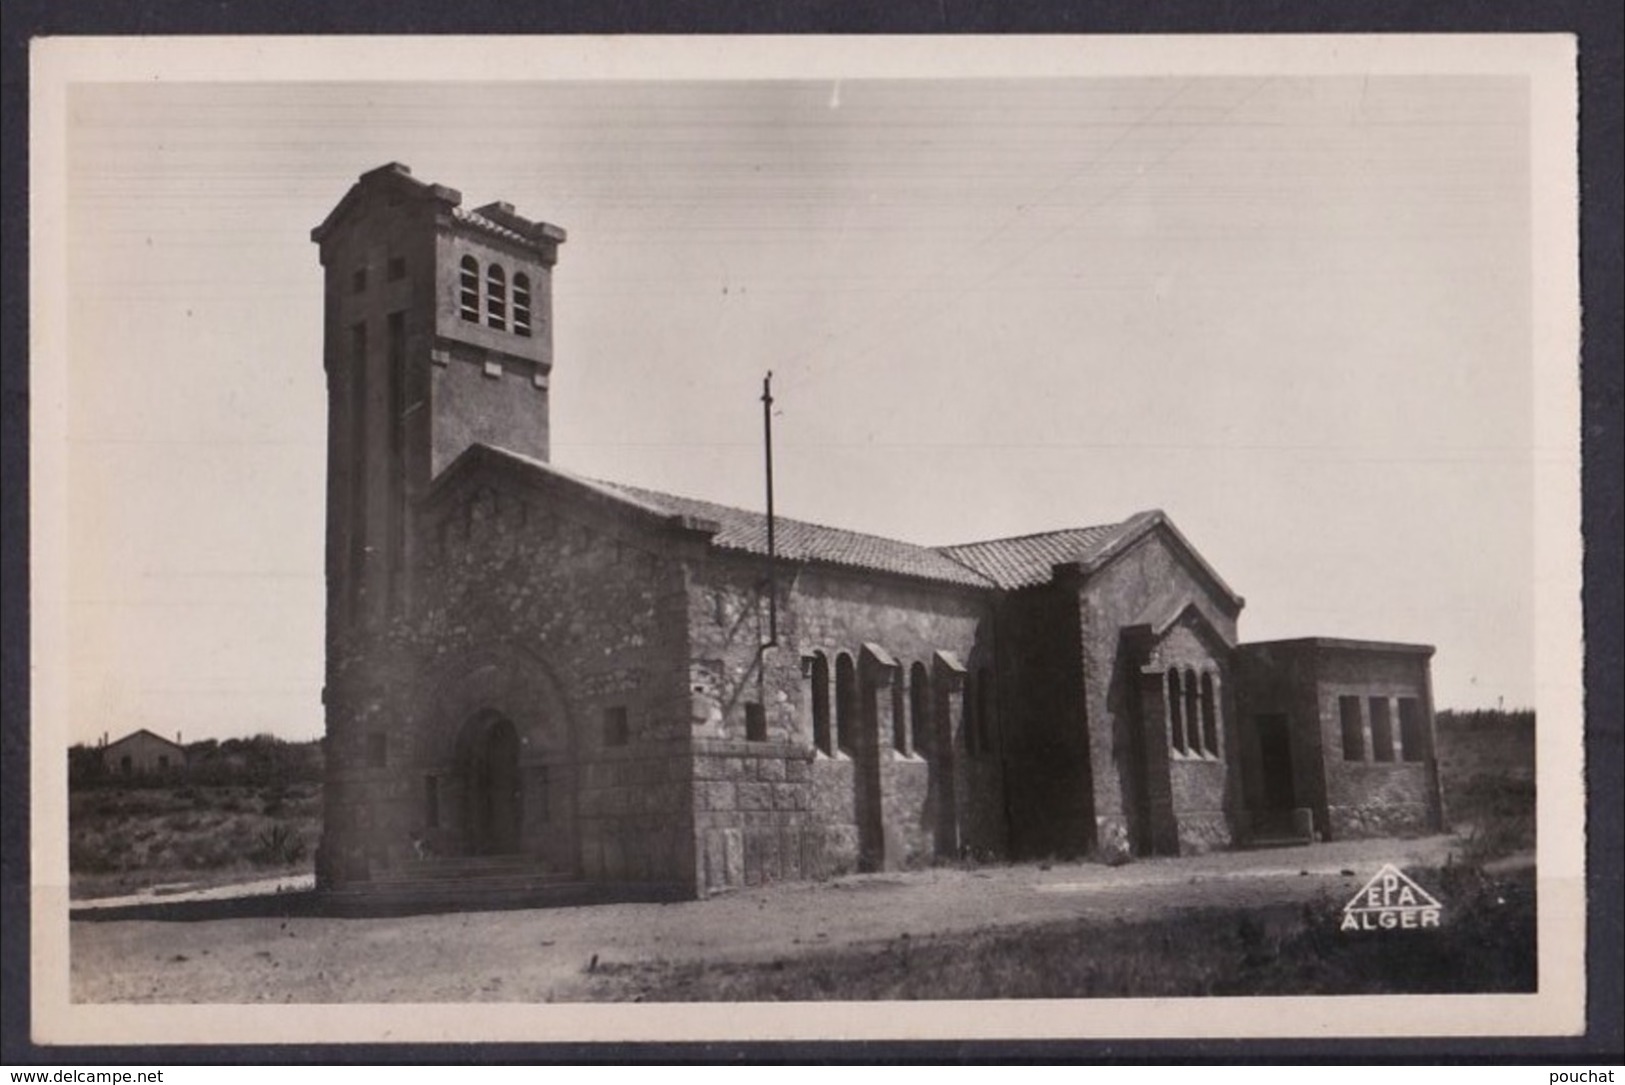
1029	559
483	223
796	540
1002	563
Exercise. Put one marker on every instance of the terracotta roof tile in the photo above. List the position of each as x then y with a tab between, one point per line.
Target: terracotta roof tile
488	225
1030	559
996	563
796	540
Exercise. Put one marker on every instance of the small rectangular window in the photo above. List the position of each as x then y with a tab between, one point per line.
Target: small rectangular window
377	750
755	722
1348	709
358	280
617	732
1411	740
397	268
1382	730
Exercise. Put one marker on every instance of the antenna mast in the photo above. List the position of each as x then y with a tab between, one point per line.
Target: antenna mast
772	542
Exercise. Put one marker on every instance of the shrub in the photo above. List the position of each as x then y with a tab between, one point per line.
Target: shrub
277	846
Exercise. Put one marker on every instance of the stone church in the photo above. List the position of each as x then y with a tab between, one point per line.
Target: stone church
536	679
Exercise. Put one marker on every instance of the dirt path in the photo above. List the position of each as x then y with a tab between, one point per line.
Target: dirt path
541	955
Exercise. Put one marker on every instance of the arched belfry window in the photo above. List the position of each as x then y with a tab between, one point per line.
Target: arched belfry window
496	297
468	304
521	304
1176	716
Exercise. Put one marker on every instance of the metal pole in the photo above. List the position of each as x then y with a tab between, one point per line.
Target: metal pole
772	543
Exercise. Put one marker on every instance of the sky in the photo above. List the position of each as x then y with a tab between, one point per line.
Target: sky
1293	311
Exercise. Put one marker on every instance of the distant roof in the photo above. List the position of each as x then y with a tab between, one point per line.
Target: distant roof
150	734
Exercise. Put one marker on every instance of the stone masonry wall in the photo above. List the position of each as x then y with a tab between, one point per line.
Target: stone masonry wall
510	619
1204	787
1151	585
776	807
1371	797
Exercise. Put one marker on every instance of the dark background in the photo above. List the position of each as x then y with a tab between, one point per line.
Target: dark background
1598	26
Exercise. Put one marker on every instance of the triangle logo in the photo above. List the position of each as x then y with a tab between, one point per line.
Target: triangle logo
1391	899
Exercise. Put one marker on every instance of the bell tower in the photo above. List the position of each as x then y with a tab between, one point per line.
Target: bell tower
438	335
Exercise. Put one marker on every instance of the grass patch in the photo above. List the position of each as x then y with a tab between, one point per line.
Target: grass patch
1486	943
1487	770
124	840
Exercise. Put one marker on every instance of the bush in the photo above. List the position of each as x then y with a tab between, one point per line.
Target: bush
278	846
128	838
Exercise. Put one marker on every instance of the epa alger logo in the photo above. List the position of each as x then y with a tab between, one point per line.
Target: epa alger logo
1391	901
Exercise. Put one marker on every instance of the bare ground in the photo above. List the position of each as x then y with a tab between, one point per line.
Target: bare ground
560	954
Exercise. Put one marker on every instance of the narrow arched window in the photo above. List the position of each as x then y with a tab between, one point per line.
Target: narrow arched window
846	703
1193	714
468	304
1176	718
521	304
1210	715
820	703
496	297
899	716
919	708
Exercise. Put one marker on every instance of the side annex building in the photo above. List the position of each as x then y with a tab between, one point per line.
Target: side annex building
536	679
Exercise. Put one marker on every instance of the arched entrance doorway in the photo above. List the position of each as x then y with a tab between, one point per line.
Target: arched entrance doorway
492	787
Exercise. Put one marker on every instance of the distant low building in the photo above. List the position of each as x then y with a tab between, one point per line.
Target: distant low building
142	753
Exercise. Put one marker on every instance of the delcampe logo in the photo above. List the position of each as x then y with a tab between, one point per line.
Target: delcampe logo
1391	901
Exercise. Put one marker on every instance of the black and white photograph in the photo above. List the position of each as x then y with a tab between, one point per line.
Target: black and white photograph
639	539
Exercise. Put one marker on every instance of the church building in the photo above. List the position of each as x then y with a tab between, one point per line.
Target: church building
537	681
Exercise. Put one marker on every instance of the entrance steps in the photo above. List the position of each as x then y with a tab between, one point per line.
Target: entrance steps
464	868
